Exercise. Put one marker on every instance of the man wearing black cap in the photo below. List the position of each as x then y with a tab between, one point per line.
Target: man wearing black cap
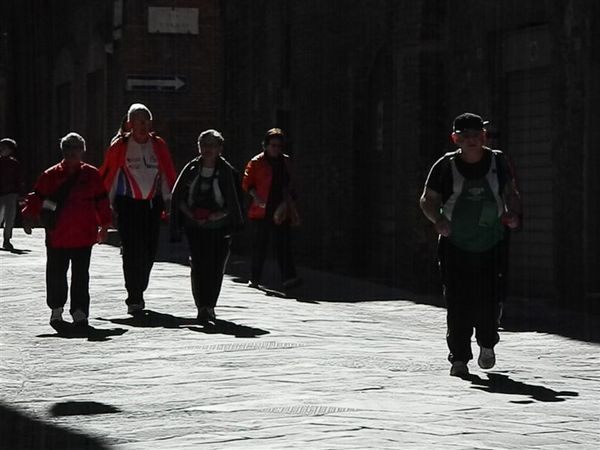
470	196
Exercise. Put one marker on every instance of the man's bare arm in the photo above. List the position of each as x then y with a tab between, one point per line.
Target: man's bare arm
431	203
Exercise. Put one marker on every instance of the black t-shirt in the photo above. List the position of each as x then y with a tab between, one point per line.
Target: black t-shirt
440	176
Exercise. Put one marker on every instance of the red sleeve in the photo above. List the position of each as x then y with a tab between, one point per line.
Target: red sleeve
35	199
109	168
169	167
248	180
103	211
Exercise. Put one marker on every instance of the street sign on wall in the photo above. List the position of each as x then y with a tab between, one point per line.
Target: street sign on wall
157	83
173	20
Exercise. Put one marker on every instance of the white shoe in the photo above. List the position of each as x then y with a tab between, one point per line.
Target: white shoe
487	358
56	314
459	369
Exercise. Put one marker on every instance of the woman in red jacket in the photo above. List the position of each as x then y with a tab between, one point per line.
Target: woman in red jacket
268	180
73	193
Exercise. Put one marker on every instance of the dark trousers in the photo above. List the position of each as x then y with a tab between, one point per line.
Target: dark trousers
139	227
209	251
472	283
263	230
57	264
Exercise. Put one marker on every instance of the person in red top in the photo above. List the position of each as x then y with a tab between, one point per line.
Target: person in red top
139	175
74	191
268	180
10	188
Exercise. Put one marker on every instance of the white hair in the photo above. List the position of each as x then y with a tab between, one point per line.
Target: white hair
72	140
138	108
210	137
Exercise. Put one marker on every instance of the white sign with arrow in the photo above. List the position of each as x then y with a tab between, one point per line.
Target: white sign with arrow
161	83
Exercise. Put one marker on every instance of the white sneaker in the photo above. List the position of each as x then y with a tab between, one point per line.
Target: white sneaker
459	369
487	358
56	314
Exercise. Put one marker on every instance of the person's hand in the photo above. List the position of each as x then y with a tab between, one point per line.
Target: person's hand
102	235
510	219
442	227
281	213
218	215
165	214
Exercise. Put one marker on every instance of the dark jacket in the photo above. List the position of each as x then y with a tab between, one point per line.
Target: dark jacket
229	184
10	176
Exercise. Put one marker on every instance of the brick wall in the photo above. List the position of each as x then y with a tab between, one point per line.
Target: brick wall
72	46
178	116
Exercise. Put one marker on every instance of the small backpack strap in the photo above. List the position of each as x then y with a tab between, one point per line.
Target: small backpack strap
457	186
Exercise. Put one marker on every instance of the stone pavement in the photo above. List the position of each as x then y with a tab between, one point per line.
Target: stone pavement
274	372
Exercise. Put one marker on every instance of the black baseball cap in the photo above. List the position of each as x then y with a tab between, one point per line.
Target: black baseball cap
468	121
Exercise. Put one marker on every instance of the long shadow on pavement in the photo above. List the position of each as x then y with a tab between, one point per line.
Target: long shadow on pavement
153	319
90	333
81	408
18	431
323	287
502	384
16	251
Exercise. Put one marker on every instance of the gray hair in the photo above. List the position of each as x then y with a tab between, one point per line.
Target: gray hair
72	140
210	137
138	108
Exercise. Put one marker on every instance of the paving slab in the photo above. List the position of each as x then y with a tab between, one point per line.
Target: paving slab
275	372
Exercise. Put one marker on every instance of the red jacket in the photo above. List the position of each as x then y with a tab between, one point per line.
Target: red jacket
115	159
258	176
85	208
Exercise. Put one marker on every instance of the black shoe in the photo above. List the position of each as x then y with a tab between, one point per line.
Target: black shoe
206	315
135	308
8	246
60	326
81	324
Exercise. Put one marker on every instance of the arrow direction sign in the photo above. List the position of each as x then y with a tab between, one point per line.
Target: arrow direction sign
160	83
